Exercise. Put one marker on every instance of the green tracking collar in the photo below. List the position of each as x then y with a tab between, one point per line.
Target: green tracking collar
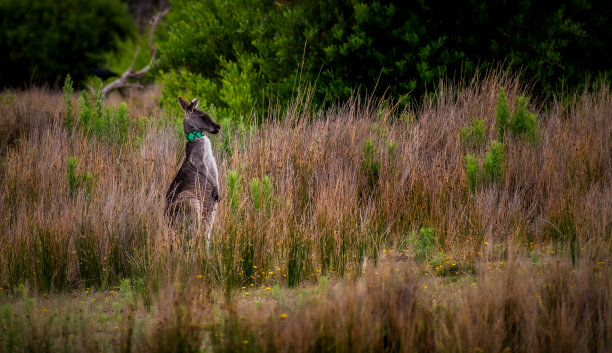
194	135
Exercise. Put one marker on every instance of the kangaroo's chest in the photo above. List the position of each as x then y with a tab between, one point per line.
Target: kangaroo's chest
203	160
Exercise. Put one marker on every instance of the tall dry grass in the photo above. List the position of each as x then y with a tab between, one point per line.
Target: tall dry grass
310	197
346	183
516	307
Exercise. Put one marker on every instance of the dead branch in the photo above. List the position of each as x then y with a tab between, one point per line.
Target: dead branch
122	81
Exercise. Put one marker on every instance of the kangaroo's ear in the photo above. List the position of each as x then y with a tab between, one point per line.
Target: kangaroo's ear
185	104
194	103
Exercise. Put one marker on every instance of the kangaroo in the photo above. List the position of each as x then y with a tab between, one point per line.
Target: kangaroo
193	195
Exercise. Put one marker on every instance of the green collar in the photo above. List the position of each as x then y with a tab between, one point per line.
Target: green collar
194	135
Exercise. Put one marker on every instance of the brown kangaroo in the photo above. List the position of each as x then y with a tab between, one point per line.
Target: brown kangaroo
193	195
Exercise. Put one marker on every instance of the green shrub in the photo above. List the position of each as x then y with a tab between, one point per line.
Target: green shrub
473	135
370	165
472	171
110	125
502	113
41	41
487	172
493	162
523	122
233	181
238	54
425	243
261	193
68	91
78	179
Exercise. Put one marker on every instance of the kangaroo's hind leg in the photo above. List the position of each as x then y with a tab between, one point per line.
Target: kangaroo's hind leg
187	215
209	218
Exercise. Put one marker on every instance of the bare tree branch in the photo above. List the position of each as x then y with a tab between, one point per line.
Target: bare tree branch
122	81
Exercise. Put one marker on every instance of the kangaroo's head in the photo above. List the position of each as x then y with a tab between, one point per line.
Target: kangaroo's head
196	119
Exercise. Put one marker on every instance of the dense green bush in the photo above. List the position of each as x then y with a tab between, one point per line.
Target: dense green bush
43	40
108	124
522	123
235	53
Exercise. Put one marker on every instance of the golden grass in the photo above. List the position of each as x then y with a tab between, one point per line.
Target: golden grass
353	187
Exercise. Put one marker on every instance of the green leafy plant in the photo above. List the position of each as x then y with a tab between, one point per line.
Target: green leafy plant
523	122
370	165
261	193
502	113
238	55
493	162
472	171
233	181
110	125
68	91
489	170
78	179
473	135
425	243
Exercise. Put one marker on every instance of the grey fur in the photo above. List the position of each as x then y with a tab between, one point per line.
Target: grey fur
193	195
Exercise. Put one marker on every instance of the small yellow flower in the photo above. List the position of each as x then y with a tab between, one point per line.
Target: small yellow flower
44	310
200	276
93	300
501	262
254	266
246	293
486	243
245	341
425	287
268	288
283	316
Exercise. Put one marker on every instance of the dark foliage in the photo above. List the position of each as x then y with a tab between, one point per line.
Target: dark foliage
402	47
43	40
